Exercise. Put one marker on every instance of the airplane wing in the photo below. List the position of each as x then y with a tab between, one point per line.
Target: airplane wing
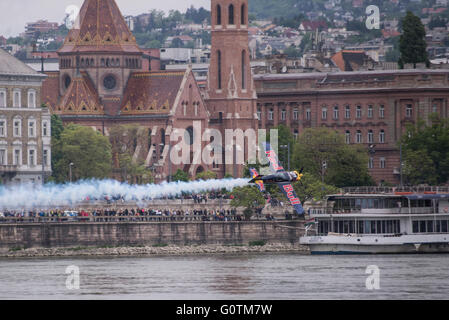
275	165
291	195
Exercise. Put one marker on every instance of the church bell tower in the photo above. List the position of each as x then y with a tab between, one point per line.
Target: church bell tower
231	96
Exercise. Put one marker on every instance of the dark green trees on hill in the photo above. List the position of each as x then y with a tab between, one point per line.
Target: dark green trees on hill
412	43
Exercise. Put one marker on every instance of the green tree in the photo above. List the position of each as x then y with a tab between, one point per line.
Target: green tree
323	153
87	149
206	175
124	141
412	43
426	152
248	197
311	188
180	176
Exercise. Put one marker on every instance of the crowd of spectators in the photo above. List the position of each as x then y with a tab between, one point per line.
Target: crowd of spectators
100	215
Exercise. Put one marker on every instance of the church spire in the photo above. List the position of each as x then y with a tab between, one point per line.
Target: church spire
101	28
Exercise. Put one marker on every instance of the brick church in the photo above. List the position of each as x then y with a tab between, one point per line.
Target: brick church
105	79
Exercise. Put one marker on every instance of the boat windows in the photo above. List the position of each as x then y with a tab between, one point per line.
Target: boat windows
360	227
430	226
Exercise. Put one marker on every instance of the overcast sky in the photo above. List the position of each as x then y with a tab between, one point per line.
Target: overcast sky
14	14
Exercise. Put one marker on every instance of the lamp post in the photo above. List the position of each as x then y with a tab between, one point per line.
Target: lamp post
70	171
288	154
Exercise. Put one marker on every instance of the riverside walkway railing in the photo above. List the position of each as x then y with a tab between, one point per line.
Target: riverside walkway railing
128	219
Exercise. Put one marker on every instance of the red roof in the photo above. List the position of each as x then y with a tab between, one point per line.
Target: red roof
80	98
46	54
102	28
433	11
390	33
313	25
151	92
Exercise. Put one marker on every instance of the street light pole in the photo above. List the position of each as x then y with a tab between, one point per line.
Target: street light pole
70	171
288	154
400	164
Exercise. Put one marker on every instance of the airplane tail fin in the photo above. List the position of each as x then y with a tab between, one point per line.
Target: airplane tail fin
259	183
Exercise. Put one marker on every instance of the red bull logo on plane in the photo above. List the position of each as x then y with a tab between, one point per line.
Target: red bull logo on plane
271	156
290	195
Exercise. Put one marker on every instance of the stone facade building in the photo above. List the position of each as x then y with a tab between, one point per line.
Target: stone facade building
370	108
25	127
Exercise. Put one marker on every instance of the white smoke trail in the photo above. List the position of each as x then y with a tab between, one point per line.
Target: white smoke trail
67	195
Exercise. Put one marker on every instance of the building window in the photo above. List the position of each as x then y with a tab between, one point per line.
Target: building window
3	128
2	99
46	158
409	111
219	68
295	114
382	136
259	114
196	109
243	15
243	69
32	128
358	136
218	14
359	112
3	157
45	129
348	137
347	112
270	115
324	113
434	106
308	114
382	111
231	14
382	163
110	82
296	134
370	136
31	157
17	157
370	111
17	103
283	115
31	99
17	129
371	163
336	113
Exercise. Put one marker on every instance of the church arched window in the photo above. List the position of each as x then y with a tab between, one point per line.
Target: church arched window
243	15
243	69
231	14
218	14
219	68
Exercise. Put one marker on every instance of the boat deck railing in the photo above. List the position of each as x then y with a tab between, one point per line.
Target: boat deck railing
393	190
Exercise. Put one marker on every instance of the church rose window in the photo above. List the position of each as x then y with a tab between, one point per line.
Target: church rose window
109	82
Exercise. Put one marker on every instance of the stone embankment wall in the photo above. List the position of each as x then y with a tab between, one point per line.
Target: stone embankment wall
86	234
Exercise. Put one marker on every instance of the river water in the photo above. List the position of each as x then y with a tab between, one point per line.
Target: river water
227	277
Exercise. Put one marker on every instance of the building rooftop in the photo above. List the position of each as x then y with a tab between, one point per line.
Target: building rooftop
10	65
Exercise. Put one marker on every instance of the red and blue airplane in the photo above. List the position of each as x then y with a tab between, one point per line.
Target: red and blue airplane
280	177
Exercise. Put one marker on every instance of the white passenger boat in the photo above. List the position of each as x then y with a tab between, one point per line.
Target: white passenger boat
380	223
